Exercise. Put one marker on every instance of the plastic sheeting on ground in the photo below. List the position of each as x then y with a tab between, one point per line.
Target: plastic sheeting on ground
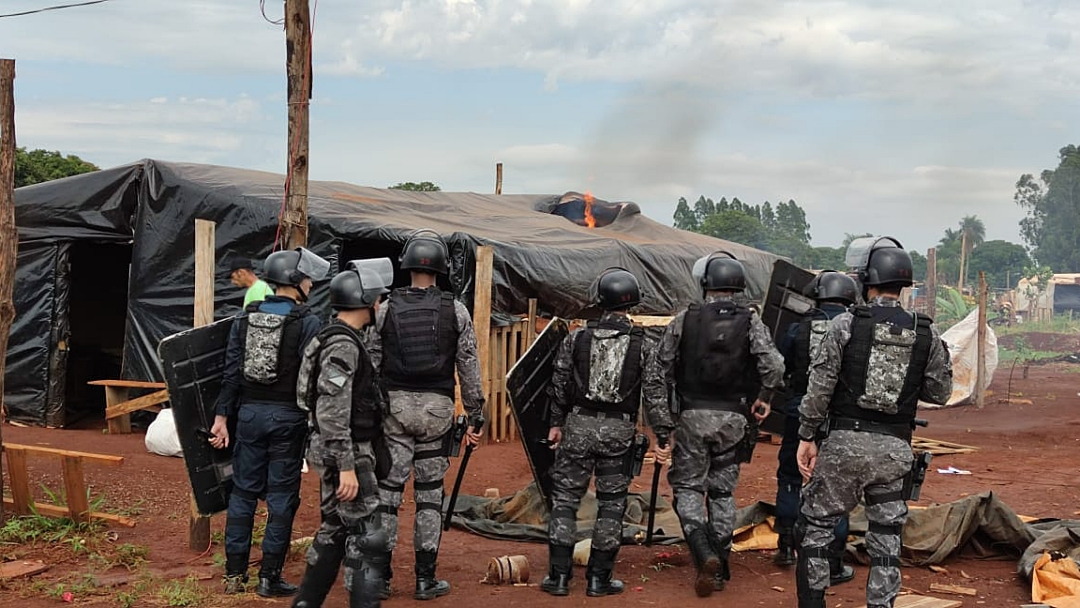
523	517
963	341
1056	582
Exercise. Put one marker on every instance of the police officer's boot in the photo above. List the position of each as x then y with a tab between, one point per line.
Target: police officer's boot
705	560
236	577
427	586
388	573
838	572
723	574
598	574
319	577
270	582
811	599
785	548
560	570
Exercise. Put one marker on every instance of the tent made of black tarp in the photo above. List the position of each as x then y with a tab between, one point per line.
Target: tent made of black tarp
106	265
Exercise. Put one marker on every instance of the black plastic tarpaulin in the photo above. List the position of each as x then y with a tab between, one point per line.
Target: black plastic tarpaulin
542	249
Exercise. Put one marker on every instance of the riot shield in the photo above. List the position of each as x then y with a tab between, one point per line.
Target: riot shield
527	386
194	362
784	302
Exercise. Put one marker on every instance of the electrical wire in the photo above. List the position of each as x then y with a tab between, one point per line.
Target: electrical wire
294	149
262	9
53	8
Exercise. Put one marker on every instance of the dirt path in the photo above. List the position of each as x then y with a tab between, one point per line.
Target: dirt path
1027	457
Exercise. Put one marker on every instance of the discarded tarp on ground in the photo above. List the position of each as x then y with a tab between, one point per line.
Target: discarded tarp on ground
144	214
980	526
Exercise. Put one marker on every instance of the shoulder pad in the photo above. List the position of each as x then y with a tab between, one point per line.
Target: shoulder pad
253	307
861	311
446	295
924	320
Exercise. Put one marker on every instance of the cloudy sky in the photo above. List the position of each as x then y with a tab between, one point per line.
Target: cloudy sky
893	117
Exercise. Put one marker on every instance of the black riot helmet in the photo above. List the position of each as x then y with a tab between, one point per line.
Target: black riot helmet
833	286
887	264
720	271
617	289
290	268
361	284
425	251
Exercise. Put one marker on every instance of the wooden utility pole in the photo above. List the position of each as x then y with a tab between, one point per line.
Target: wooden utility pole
498	178
980	369
931	281
298	67
199	526
9	235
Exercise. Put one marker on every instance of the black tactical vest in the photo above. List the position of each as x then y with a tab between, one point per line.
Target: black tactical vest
629	392
283	388
799	366
852	380
420	337
366	417
713	369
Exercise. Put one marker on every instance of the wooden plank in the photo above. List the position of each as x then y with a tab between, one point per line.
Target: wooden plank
9	233
75	488
515	353
133	405
530	328
55	511
485	257
21	568
204	272
20	482
120	424
940	588
980	350
923	601
105	459
127	383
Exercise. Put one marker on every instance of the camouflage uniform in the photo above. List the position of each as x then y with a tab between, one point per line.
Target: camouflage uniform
594	441
704	470
856	463
417	431
347	407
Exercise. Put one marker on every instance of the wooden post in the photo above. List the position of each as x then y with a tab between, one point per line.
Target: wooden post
482	322
498	178
980	370
199	526
931	281
9	235
530	333
298	67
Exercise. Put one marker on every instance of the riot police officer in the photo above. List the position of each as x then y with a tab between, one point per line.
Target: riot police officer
832	292
708	357
873	366
596	395
262	359
338	387
424	336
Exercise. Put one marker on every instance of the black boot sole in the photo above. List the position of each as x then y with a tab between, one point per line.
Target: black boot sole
556	591
705	582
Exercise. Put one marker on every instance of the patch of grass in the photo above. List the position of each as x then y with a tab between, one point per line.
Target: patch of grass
131	556
27	529
258	532
1008	356
219	560
1059	324
182	593
129	510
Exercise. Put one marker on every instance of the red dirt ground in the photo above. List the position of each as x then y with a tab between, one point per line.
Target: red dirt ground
1027	457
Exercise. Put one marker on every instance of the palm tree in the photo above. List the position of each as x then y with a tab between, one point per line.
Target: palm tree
972	234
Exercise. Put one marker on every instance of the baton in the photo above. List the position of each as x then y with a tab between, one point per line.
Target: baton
661	442
460	477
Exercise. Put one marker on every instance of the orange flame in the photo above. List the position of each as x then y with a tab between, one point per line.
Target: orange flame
590	220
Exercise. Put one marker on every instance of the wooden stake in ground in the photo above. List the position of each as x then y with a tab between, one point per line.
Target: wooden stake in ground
199	526
482	319
931	282
980	369
298	66
498	178
9	236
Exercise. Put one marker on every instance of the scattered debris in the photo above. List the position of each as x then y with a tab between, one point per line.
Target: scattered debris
491	493
513	569
924	601
19	569
778	589
953	471
938	569
938	447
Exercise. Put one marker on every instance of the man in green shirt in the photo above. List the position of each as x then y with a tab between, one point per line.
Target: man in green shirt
242	274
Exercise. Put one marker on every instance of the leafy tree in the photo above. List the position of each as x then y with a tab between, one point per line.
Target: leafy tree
781	229
685	219
37	166
918	265
1051	229
1003	262
736	226
416	187
972	233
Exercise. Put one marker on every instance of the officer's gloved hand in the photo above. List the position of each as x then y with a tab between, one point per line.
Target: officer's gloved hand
662	452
